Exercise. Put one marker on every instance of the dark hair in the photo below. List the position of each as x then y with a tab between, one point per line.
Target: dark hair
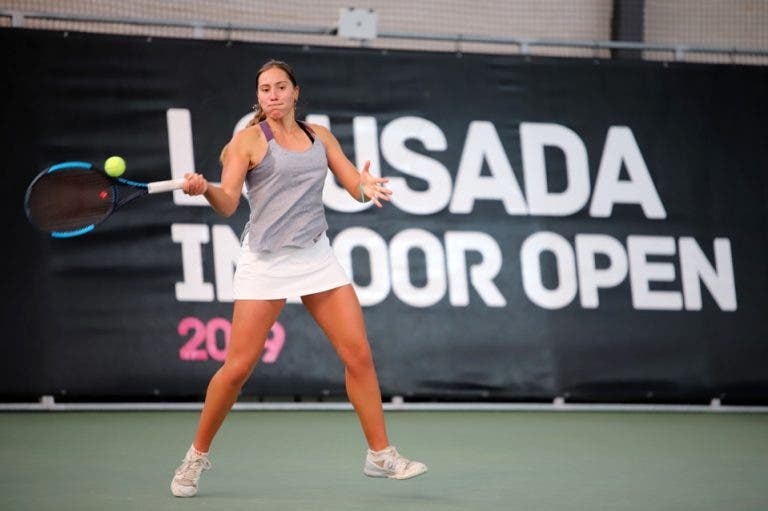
259	114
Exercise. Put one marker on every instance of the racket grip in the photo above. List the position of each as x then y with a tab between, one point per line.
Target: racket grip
165	186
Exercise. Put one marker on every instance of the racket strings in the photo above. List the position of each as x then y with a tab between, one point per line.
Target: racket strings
70	199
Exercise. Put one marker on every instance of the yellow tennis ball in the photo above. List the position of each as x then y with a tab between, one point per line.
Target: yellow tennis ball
114	166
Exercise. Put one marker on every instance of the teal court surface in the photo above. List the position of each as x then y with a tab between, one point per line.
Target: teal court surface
313	460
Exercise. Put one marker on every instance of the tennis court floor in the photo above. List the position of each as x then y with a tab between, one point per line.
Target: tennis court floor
298	460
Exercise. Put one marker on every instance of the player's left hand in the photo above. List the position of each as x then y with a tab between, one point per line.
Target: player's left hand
373	187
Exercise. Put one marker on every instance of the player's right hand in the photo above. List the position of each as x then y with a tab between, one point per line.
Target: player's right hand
195	184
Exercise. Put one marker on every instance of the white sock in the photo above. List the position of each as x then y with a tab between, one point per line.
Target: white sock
379	453
194	451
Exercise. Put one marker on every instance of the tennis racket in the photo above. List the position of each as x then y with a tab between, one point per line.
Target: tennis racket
71	198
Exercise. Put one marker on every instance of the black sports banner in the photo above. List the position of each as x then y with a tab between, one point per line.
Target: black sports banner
595	230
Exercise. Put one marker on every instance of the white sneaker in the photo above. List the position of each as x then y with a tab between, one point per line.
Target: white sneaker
184	483
389	463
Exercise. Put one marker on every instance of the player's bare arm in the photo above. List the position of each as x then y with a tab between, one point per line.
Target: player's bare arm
361	185
244	151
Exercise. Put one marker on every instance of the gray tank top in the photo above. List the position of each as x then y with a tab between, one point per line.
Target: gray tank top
285	193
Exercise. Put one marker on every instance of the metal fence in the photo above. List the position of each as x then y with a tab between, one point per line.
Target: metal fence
715	31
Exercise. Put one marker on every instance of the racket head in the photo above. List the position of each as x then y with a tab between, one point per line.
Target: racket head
70	199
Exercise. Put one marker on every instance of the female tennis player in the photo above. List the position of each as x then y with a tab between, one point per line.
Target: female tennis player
285	252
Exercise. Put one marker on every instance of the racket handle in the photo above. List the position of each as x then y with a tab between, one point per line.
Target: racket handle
165	186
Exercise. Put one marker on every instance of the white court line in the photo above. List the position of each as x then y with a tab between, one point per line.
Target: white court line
47	405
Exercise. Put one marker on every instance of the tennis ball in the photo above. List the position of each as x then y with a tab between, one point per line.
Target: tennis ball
114	166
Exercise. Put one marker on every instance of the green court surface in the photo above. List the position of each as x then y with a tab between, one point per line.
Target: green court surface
313	461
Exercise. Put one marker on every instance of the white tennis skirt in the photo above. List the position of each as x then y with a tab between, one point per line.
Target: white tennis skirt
288	272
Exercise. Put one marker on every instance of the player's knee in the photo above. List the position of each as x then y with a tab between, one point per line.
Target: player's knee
235	374
358	360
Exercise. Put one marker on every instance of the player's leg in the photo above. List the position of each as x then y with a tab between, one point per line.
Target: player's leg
338	313
251	322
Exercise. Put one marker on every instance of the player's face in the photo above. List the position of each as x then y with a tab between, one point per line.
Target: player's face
276	93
